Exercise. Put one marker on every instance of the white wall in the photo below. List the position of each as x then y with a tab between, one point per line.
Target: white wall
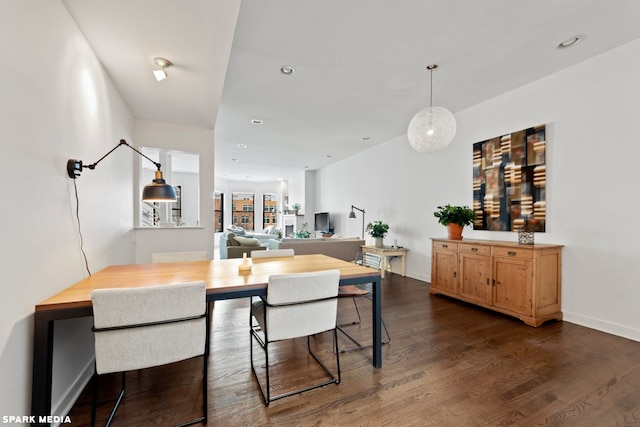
57	103
592	153
169	136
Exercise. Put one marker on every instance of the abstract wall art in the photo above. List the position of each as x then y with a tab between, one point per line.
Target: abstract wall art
509	181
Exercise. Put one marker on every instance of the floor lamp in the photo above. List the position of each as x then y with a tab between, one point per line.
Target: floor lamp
353	215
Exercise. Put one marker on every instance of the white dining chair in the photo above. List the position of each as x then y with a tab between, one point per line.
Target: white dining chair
296	305
137	328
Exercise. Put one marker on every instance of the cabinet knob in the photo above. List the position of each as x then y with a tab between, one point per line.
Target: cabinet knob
474	249
445	246
511	253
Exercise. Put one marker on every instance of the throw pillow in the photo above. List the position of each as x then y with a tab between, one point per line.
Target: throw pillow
239	231
231	240
247	241
269	230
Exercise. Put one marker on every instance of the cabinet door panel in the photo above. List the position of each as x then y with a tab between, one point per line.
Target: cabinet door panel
443	275
512	284
475	275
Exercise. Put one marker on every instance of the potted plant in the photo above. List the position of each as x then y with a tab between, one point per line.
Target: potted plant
378	230
302	233
455	218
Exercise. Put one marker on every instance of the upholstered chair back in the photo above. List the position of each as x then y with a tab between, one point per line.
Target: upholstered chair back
137	328
299	305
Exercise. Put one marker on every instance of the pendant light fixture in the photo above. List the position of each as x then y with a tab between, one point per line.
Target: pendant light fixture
432	128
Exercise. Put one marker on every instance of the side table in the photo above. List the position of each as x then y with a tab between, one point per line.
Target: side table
385	252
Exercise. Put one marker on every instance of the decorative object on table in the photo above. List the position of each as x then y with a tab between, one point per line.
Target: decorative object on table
302	233
432	128
455	218
525	233
245	266
378	230
509	181
352	215
296	208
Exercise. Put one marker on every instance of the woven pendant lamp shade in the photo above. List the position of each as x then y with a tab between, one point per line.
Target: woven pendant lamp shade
431	129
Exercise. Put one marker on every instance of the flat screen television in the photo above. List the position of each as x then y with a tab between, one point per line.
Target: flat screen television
322	222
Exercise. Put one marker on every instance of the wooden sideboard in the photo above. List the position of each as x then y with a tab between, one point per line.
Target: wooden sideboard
518	280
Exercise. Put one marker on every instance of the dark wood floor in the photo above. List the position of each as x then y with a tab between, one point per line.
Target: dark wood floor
448	364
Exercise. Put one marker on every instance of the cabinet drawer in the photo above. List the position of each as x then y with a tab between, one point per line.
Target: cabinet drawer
513	252
446	246
468	248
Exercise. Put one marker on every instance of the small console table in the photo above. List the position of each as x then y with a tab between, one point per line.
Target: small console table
387	251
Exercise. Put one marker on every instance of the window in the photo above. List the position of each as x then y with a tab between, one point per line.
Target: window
269	209
218	211
242	205
176	207
180	169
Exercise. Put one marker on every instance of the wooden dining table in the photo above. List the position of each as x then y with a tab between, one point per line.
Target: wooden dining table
223	278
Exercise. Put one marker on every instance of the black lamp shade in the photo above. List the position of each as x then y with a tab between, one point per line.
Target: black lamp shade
352	215
158	190
158	193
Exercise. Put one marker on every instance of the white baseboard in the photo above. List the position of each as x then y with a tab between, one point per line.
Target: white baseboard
69	398
602	325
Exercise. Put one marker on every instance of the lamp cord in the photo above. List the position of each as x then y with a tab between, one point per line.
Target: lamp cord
84	255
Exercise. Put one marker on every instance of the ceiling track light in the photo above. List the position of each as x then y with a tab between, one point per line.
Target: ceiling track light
432	128
163	63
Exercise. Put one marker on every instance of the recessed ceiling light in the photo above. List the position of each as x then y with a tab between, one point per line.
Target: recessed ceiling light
256	121
242	145
287	70
571	41
234	160
329	155
365	138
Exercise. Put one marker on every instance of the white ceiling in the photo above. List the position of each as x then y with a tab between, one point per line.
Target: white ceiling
360	65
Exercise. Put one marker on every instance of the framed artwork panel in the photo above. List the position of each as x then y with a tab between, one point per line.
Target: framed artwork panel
509	181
